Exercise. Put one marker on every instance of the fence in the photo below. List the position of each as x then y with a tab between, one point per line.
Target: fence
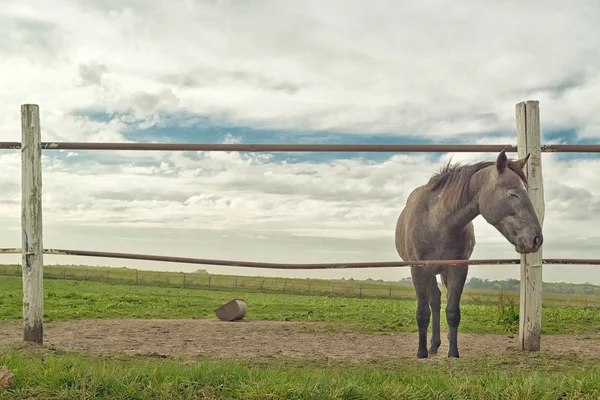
528	141
369	289
194	280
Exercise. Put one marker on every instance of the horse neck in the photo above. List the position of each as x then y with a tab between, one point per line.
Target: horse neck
459	219
467	212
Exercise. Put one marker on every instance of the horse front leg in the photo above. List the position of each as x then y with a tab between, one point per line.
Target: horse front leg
457	275
422	287
435	301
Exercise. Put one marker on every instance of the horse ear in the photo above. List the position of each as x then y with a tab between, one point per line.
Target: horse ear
501	162
523	161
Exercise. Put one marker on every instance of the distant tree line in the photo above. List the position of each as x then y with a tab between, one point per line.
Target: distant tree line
515	285
548	287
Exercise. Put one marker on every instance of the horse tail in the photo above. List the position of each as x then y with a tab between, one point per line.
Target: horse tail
444	281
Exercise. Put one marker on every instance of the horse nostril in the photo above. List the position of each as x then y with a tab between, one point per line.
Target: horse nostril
537	241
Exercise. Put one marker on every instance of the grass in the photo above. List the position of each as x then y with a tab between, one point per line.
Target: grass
43	374
67	300
317	287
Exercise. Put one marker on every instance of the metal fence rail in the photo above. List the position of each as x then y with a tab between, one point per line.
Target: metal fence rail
334	148
272	265
260	147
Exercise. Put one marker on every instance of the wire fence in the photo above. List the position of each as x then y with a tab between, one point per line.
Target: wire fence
195	280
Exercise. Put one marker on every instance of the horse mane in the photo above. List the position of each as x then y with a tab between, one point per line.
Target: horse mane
453	181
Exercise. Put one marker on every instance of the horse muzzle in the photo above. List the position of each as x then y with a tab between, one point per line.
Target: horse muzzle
525	246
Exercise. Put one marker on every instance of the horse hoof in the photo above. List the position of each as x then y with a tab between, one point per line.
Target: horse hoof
422	354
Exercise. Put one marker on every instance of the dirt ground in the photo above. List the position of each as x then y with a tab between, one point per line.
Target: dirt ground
268	340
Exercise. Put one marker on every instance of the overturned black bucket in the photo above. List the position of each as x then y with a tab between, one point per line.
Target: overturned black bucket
235	310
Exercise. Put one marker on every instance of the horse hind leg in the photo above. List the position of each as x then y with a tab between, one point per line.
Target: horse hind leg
435	301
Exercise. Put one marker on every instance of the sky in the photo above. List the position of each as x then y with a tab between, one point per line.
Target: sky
291	72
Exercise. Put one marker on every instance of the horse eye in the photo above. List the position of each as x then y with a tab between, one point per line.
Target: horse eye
513	194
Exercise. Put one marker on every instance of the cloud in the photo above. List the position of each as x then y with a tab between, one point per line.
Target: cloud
28	37
409	69
342	210
115	70
91	74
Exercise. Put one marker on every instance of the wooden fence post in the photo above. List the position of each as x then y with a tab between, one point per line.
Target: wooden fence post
528	141
31	224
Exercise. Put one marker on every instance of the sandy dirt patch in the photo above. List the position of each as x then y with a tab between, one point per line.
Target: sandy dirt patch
268	339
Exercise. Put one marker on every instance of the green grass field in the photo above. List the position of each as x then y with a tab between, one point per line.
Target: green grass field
42	373
50	375
68	299
247	284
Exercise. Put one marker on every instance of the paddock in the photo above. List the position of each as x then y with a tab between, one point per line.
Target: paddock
33	329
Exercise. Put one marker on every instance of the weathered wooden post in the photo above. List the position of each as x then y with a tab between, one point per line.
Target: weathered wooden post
31	224
528	141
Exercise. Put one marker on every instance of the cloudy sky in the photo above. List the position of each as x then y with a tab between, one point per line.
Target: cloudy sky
291	72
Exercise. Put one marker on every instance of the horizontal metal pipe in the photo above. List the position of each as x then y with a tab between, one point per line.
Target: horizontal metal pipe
10	145
571	148
254	264
382	148
256	147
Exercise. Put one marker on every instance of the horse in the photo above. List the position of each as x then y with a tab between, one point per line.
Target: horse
436	224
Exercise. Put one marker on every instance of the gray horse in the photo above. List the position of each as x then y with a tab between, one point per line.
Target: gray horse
436	224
